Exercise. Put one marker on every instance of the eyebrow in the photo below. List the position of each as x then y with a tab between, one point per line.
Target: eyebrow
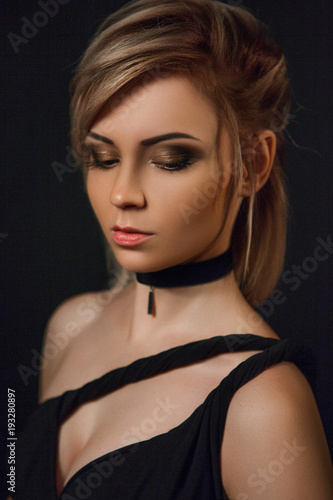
100	138
147	142
167	137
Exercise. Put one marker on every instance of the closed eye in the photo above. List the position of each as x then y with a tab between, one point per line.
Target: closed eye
103	160
175	158
174	166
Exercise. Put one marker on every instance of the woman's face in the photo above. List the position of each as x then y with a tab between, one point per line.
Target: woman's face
154	181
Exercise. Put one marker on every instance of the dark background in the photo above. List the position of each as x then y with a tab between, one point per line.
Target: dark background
50	245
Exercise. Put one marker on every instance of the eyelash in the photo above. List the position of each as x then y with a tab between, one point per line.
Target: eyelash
184	162
102	165
175	166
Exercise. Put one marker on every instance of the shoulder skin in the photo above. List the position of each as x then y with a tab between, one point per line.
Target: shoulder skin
70	321
274	445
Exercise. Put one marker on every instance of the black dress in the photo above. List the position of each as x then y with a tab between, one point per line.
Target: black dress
177	465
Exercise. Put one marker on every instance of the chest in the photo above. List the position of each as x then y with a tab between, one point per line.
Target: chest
137	412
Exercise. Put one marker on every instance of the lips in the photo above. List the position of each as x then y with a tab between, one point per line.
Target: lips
129	236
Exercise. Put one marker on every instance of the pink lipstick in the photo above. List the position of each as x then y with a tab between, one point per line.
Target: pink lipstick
129	236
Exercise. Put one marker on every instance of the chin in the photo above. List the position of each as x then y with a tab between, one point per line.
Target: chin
133	262
137	263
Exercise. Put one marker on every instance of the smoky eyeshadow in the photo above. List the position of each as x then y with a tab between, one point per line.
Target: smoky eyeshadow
159	154
177	152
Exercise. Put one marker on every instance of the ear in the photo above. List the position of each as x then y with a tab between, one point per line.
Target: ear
264	149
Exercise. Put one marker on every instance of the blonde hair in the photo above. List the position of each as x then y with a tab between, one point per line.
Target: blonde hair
228	56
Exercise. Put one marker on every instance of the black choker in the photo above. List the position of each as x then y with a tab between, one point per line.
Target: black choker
195	273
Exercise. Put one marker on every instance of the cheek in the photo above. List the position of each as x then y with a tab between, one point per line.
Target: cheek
198	205
191	223
98	195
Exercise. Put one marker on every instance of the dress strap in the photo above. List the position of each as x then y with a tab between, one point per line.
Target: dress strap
156	364
284	350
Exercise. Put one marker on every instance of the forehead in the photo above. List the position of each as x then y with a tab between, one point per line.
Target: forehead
159	106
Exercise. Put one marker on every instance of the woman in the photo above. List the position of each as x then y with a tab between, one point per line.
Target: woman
178	113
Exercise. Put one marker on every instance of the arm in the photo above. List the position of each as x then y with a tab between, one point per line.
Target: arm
274	445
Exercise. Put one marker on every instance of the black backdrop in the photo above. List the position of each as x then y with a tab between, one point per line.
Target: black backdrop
50	244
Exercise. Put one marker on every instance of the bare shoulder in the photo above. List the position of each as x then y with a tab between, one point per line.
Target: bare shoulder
69	322
274	440
76	312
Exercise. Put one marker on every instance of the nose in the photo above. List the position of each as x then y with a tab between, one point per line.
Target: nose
126	191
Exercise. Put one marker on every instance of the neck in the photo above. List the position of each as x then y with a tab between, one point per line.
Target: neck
185	275
194	273
186	310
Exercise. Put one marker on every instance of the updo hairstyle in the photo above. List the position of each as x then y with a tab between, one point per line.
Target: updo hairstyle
228	56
